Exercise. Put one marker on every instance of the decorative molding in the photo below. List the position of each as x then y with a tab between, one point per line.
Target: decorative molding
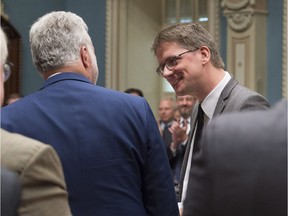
216	18
108	77
247	30
241	60
116	43
236	4
2	12
240	13
240	21
284	55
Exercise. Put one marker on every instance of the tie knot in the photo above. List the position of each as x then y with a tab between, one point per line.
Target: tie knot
184	122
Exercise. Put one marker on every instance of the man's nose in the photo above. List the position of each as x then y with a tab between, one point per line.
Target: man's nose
167	72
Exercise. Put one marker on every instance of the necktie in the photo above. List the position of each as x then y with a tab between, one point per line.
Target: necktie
167	137
184	123
198	134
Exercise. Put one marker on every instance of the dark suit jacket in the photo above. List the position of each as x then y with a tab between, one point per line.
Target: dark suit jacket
176	163
112	154
10	192
234	98
242	169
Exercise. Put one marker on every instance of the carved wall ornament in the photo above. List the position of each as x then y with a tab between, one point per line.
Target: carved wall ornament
236	4
240	21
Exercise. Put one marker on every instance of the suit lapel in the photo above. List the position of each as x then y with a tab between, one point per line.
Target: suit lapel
224	96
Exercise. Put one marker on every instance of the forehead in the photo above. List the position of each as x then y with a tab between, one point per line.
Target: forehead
187	97
166	103
167	49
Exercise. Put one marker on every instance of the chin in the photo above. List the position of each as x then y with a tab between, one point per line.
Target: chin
179	91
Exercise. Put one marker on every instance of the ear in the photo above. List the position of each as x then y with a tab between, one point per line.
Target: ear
205	53
84	56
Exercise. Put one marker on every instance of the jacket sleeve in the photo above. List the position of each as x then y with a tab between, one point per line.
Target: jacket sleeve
158	191
43	185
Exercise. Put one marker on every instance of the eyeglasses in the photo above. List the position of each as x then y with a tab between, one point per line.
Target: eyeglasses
6	71
171	62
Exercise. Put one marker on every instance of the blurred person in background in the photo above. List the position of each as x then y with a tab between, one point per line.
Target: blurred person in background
134	91
180	132
13	98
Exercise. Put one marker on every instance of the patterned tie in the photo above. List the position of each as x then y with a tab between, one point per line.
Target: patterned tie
184	123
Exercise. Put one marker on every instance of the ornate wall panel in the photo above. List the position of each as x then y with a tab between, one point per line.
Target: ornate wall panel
246	41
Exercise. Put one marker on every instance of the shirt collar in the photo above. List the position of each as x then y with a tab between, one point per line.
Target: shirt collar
54	74
182	119
209	103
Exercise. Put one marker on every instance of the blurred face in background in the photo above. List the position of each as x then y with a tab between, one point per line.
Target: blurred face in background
185	105
4	54
177	115
166	110
2	84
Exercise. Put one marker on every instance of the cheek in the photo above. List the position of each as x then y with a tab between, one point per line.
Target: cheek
193	65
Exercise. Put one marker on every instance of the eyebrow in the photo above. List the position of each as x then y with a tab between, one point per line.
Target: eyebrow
173	56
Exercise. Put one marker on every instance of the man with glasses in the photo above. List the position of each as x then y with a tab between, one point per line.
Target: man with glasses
180	133
189	60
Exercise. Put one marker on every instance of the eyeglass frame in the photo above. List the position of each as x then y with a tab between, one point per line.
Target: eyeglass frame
161	67
7	71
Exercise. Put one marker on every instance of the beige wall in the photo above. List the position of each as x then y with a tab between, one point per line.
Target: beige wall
132	26
144	19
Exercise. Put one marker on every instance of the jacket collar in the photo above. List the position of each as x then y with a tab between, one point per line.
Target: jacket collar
224	96
64	76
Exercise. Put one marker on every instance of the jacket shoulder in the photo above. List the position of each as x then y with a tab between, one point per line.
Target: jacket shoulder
17	151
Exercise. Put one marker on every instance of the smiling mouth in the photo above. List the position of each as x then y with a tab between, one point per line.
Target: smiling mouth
175	82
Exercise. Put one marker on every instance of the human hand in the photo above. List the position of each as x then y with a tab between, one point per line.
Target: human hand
178	134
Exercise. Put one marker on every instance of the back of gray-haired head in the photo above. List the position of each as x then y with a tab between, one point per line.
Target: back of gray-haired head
4	49
56	39
189	36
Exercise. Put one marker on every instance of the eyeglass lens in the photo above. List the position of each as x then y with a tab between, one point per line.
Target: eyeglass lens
171	62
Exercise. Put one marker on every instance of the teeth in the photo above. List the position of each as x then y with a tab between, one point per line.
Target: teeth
174	83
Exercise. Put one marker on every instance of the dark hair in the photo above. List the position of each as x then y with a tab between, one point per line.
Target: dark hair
189	36
135	91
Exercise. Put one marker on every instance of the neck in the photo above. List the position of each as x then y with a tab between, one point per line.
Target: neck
210	81
69	68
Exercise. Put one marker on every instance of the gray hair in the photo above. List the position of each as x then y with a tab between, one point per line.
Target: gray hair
4	49
56	39
168	98
190	36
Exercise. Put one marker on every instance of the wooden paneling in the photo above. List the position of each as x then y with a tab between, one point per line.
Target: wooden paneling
12	85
